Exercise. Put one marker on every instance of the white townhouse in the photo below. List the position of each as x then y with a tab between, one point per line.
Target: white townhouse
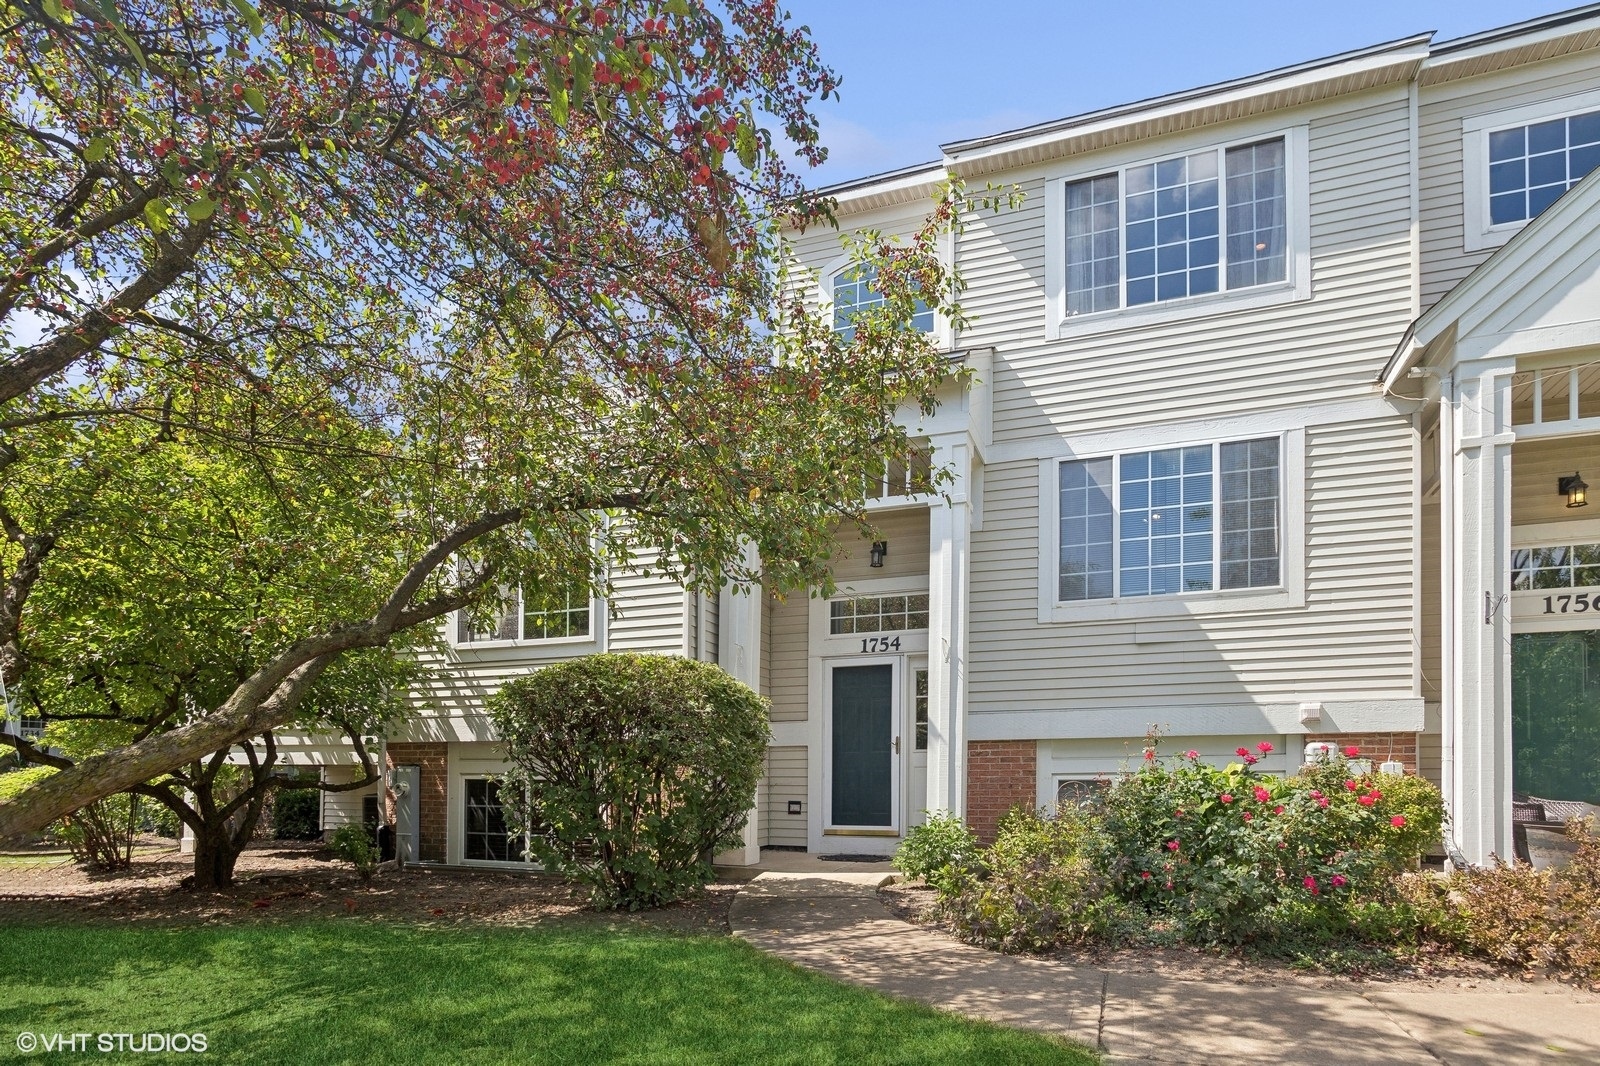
1282	394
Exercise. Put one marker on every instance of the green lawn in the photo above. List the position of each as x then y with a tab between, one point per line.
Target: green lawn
359	991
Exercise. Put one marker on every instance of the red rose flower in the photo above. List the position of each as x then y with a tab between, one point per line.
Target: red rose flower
1350	786
1149	754
1278	809
1338	880
1351	752
1250	760
1241	751
1225	798
1248	816
1398	821
1311	884
1264	747
1262	795
1145	876
1365	801
1172	845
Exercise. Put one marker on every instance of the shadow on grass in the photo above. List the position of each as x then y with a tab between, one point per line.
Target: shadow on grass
337	992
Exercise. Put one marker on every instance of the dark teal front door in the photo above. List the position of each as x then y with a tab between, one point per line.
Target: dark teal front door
1555	715
863	746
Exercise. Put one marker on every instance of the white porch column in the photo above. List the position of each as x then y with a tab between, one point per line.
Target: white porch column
1478	693
949	534
739	653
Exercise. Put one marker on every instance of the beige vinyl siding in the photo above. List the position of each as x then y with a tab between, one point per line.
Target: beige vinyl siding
646	614
786	780
343	808
647	610
787	625
1441	108
907	535
1353	639
814	252
1536	466
1213	363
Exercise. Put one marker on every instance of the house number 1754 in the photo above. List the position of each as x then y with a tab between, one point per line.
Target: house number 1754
880	644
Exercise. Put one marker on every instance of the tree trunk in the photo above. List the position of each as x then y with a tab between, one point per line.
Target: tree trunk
214	859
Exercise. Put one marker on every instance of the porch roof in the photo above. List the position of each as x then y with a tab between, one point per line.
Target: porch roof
1539	292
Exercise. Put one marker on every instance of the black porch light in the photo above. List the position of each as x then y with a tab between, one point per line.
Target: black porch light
880	548
1574	489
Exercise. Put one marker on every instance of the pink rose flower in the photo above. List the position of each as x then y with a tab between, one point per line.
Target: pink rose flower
1365	801
1338	880
1315	794
1398	821
1322	801
1172	845
1264	747
1145	876
1241	751
1149	754
1351	786
1248	816
1351	752
1262	795
1191	754
1225	798
1311	884
1250	760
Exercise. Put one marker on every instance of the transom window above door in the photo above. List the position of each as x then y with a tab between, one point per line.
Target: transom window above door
1170	521
877	614
1563	566
1189	225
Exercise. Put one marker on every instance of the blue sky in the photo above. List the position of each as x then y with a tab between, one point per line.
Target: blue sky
920	72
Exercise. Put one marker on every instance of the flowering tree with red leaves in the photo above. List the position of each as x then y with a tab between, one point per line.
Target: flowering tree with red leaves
501	278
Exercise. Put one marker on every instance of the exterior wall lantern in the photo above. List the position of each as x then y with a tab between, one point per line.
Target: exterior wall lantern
1573	488
880	548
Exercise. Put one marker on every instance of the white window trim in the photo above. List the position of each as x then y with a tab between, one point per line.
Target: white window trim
594	638
1476	232
1296	285
912	641
941	332
1288	594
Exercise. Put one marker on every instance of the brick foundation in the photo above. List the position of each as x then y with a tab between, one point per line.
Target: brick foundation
432	812
1000	776
1379	747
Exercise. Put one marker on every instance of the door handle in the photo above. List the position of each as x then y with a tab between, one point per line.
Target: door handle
897	745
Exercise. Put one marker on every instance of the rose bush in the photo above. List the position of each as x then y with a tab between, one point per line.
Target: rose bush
1228	852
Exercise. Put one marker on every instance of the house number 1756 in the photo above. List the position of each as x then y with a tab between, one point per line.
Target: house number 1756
880	644
1577	604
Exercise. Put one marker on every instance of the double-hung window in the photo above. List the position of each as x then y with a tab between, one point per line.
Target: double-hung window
854	292
1189	225
564	614
1198	518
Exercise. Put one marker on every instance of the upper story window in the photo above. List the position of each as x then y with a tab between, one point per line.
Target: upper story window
1174	520
854	293
563	615
1190	225
1531	166
1519	162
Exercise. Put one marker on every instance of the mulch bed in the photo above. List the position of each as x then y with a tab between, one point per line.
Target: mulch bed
914	902
280	881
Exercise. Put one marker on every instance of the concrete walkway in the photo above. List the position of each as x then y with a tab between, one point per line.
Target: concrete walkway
832	921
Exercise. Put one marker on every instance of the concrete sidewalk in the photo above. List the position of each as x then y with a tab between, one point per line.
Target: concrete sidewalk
832	921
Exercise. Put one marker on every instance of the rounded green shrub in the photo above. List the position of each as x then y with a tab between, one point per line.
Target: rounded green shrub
941	851
1039	887
630	771
297	814
354	844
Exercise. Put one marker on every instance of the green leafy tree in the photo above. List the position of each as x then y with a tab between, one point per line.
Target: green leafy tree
494	282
